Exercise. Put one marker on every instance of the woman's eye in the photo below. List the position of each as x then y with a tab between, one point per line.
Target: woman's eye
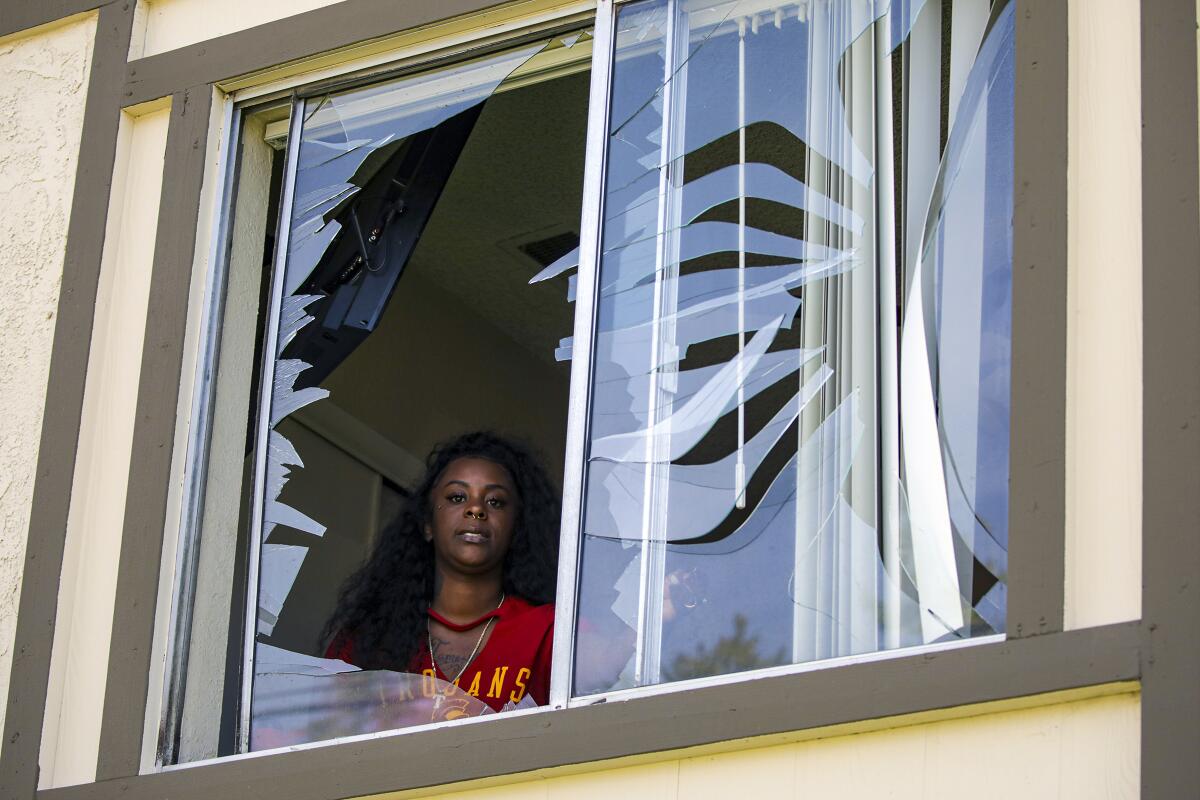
496	502
456	498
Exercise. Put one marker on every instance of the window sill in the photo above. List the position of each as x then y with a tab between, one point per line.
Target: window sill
878	689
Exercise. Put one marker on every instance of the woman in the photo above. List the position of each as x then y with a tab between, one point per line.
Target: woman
460	586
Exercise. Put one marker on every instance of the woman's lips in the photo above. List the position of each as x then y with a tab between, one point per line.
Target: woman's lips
474	537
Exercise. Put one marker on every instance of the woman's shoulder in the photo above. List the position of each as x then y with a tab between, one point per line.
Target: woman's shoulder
341	647
516	607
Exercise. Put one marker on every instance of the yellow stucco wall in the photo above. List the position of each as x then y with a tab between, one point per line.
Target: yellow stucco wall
1086	749
43	84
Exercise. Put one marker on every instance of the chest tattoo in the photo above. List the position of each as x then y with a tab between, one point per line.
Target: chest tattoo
448	658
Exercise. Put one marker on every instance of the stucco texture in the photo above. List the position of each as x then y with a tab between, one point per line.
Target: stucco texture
43	84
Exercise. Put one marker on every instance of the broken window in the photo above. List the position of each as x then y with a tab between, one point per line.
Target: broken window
396	313
419	211
763	486
795	439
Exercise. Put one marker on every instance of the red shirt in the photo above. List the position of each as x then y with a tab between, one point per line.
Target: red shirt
514	662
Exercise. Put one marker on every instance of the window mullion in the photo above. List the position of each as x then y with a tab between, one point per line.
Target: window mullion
888	334
664	355
582	353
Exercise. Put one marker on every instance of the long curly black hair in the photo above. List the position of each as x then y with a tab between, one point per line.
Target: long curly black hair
382	607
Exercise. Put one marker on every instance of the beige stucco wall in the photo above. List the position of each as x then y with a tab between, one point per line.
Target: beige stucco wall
1104	321
1084	749
43	84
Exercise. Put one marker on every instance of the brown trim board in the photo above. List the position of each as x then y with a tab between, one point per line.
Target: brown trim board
1170	755
519	743
1037	466
46	537
154	435
283	41
20	15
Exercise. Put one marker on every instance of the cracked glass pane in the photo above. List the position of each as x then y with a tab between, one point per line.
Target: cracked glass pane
955	351
736	512
304	699
406	318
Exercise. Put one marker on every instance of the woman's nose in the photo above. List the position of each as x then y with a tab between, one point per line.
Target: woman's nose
475	510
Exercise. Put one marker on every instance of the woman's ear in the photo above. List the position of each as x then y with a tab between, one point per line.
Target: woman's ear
427	532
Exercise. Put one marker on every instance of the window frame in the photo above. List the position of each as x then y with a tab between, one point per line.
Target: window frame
300	92
294	93
1036	657
300	89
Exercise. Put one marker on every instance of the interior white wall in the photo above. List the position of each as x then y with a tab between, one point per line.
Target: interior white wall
42	91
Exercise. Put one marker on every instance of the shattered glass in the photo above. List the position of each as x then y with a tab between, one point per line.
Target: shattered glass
732	510
955	355
370	167
731	517
301	699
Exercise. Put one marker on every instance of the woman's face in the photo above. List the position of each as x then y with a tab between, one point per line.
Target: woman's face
474	509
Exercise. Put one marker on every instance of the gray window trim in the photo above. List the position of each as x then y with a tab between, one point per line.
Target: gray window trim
154	435
1170	400
522	742
16	17
1038	657
244	52
1037	466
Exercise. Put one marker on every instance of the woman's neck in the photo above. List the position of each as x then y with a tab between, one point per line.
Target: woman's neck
462	599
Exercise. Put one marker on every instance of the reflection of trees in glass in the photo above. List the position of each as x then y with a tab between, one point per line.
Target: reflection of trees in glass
734	653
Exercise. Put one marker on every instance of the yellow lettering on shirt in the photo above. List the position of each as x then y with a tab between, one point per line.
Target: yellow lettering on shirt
522	674
428	682
497	681
474	690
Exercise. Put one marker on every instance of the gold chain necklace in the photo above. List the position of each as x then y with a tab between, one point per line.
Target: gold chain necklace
474	651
